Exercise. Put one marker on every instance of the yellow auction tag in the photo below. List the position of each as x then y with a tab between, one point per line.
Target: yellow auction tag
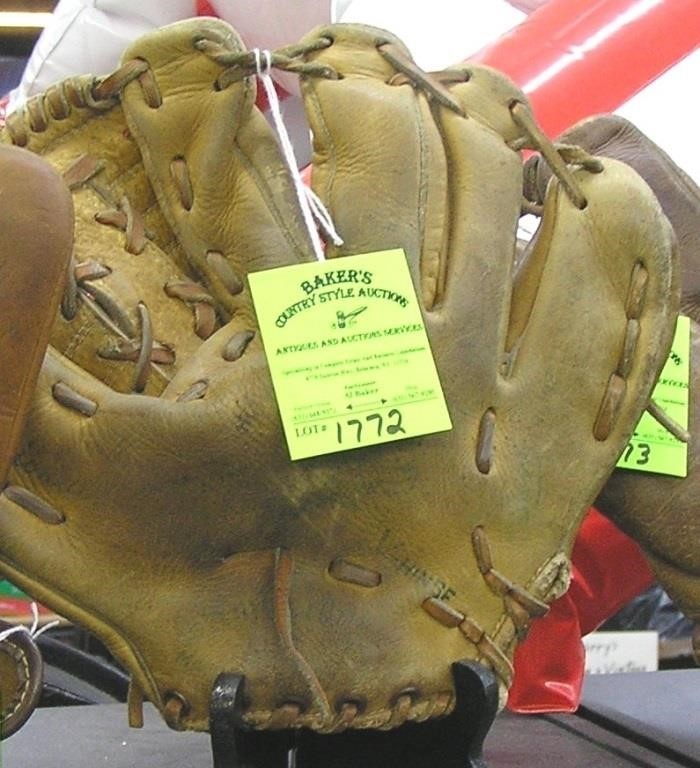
348	353
652	447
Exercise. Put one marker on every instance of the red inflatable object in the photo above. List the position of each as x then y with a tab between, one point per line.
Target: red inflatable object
204	8
575	58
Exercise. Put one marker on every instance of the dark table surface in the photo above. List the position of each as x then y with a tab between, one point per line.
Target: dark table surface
627	721
658	709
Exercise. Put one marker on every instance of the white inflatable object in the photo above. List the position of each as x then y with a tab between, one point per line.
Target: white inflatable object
440	32
88	36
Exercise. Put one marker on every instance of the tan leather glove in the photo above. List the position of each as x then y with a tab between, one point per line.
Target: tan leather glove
658	511
173	524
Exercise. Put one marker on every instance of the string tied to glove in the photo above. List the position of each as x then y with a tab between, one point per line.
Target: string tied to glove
34	631
313	211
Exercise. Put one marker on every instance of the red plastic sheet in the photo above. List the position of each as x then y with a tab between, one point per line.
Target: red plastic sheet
575	58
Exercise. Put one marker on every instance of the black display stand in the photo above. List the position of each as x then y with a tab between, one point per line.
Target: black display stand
454	741
649	719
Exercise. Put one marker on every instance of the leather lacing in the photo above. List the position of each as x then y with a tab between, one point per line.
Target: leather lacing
241	64
613	398
134	343
408	705
557	156
431	83
59	100
520	605
202	303
33	504
125	218
108	88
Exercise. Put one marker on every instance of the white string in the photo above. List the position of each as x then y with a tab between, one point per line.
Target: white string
322	216
312	208
33	631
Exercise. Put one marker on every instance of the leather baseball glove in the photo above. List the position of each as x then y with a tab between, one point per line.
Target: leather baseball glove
660	512
36	222
153	500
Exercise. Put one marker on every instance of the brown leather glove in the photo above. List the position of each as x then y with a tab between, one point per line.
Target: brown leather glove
21	678
658	511
36	240
36	224
172	522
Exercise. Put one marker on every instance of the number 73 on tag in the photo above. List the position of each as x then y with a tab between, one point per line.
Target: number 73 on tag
652	447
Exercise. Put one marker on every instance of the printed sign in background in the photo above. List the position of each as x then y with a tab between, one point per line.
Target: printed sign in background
627	651
348	353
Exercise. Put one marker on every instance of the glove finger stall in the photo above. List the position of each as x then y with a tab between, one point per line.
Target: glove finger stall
130	309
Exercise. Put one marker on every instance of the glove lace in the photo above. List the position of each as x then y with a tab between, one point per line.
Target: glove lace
241	64
409	72
556	157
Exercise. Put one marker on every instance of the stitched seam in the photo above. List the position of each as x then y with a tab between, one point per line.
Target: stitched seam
269	201
143	667
24	687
